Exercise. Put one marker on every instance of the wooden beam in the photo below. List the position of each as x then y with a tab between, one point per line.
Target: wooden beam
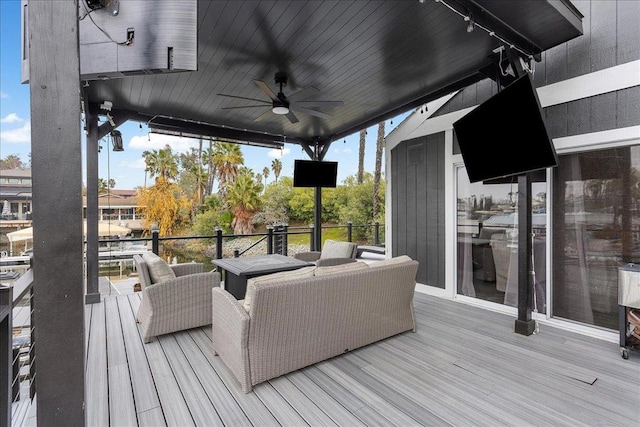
54	79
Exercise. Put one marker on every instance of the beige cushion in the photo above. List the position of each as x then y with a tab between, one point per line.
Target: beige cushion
159	270
337	269
391	261
333	249
300	273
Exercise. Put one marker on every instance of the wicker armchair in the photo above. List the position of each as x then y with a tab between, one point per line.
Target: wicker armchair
333	253
174	297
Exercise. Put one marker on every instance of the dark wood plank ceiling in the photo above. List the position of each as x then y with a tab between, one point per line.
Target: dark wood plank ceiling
380	58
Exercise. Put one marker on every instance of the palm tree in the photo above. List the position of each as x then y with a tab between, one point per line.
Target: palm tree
161	163
276	165
265	173
244	198
363	134
378	170
102	185
226	158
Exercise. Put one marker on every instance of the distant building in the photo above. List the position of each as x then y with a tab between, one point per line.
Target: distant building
118	206
15	189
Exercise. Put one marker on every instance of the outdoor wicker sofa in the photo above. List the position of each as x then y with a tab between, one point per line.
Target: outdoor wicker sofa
175	297
302	317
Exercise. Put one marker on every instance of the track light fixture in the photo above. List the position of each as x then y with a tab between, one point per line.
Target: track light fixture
471	25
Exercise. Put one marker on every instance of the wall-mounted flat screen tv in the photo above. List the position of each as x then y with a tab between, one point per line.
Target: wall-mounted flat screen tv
506	135
311	173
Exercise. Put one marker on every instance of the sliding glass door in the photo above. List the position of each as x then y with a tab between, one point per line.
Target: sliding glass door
487	245
596	229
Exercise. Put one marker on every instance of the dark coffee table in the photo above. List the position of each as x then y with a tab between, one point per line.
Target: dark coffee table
238	270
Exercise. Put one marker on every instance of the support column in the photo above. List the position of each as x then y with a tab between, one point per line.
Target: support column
93	142
524	324
317	218
54	80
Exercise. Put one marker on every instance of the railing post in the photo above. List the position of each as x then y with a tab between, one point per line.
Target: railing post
155	243
236	253
6	353
269	240
285	239
312	241
218	243
376	235
349	231
32	347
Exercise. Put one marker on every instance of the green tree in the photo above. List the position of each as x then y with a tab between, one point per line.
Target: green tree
161	163
301	204
276	202
244	199
363	134
377	174
208	159
192	177
276	166
265	174
226	158
102	185
213	215
12	161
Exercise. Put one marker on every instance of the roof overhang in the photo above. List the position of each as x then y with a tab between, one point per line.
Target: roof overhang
380	58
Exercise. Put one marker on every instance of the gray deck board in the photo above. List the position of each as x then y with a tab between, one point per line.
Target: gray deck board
96	368
146	399
121	408
464	366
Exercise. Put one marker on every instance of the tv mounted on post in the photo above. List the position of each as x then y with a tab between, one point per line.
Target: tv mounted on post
313	173
506	135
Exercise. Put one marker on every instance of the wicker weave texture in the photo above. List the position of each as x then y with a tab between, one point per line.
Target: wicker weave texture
176	304
293	324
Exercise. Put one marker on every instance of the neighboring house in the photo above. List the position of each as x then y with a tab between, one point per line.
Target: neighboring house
587	208
15	194
119	207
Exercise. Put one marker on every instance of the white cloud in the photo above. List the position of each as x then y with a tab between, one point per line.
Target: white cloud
278	153
21	134
11	118
155	141
3	95
342	150
134	164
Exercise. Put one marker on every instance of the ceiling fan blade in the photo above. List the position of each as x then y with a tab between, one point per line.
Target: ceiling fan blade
263	115
317	103
292	117
243	106
303	93
262	85
243	97
310	112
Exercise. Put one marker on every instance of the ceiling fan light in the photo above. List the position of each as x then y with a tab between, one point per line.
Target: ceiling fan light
280	109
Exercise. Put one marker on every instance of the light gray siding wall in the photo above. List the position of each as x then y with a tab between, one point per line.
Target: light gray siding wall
418	205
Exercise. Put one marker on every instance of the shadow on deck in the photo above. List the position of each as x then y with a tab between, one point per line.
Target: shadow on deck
464	366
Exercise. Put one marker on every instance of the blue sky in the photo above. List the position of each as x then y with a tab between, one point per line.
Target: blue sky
127	167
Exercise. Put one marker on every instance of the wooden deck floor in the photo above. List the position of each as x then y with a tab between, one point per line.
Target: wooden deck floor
464	366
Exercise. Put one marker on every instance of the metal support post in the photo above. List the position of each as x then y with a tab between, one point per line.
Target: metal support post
524	325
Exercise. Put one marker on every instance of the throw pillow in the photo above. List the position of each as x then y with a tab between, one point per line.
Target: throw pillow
300	273
334	249
159	270
391	261
333	269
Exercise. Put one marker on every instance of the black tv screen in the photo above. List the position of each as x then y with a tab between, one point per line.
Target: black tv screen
506	135
311	173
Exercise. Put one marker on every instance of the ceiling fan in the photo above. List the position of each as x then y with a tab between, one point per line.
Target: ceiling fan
283	105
